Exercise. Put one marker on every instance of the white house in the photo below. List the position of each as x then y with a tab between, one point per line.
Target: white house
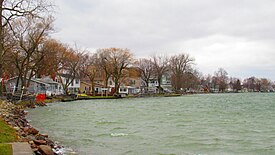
128	86
53	86
65	79
165	84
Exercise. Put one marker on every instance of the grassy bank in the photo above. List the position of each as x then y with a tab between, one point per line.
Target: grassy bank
8	134
160	95
6	149
99	97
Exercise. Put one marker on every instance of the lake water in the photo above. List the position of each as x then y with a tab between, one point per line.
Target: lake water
211	124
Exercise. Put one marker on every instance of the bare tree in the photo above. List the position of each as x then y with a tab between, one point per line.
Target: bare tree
236	84
119	60
179	65
160	64
89	67
69	68
221	77
8	68
252	84
11	10
29	34
54	52
266	84
103	57
206	83
146	69
61	62
191	80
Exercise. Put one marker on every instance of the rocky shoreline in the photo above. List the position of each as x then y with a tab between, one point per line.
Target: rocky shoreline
15	116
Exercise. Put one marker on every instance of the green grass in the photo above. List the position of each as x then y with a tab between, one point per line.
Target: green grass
8	134
98	97
25	103
6	149
52	100
172	95
161	95
102	96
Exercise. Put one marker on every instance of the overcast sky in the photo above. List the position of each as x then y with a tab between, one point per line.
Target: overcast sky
237	35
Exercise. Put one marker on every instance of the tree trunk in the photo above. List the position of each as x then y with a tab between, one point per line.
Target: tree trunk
93	85
159	82
116	86
106	83
17	84
93	88
1	45
22	81
147	87
1	63
64	87
178	82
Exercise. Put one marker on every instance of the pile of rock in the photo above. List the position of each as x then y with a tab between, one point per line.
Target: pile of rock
14	115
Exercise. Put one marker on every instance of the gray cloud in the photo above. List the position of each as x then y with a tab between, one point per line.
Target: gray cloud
236	34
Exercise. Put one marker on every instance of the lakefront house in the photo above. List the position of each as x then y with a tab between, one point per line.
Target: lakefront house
66	80
153	85
130	83
43	85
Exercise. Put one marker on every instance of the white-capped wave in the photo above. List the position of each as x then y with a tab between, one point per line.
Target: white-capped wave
118	134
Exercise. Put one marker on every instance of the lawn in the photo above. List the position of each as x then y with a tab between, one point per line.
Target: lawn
84	96
7	135
6	149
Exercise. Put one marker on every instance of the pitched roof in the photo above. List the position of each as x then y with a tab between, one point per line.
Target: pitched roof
32	79
90	84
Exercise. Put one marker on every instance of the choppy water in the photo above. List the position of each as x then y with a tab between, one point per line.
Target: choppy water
198	124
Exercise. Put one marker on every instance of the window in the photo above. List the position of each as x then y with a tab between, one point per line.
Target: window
76	81
110	83
122	89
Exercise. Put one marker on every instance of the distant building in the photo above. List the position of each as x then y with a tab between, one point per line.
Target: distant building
153	85
86	87
67	80
36	86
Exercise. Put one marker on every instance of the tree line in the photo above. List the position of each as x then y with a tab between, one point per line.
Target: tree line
221	82
27	51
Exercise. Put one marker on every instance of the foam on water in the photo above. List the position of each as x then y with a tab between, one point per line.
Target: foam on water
118	134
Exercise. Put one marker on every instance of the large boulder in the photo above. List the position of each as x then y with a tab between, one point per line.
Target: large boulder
45	150
40	142
30	130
